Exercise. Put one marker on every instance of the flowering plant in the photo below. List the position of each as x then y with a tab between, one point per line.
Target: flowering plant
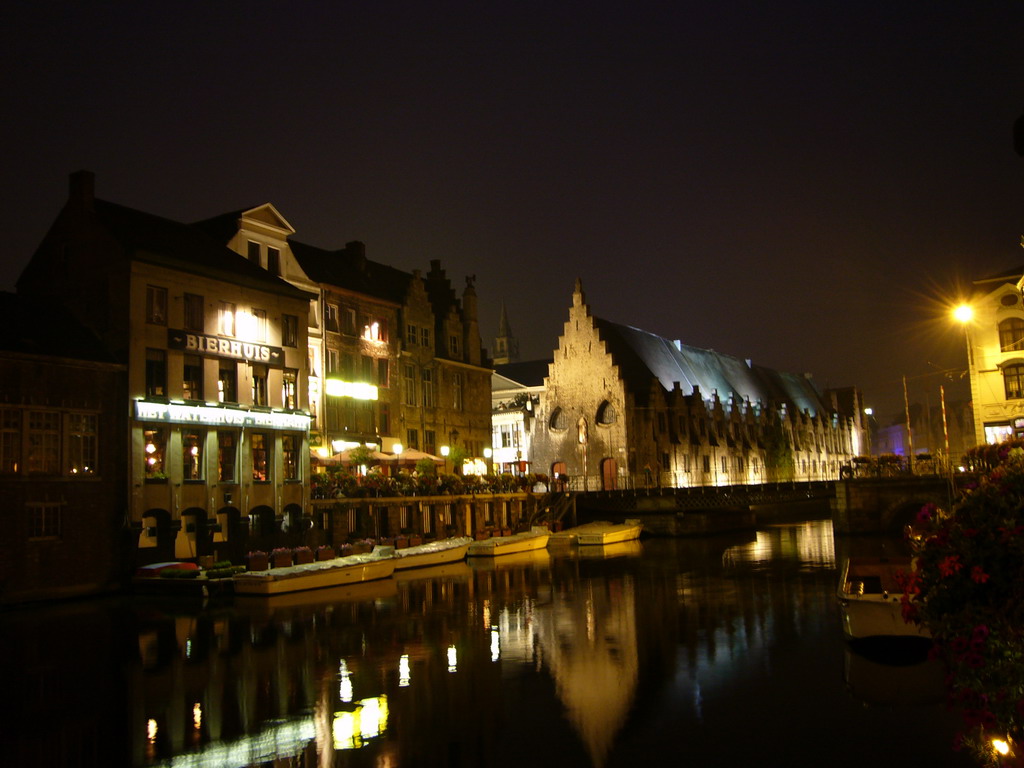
967	588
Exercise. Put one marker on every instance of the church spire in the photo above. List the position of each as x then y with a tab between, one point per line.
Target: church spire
506	346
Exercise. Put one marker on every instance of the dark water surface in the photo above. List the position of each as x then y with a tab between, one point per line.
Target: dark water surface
719	651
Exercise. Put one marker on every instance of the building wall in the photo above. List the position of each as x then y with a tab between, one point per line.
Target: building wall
996	368
64	520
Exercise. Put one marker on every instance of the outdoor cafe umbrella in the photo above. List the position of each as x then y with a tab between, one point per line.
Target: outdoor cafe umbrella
345	457
323	461
413	456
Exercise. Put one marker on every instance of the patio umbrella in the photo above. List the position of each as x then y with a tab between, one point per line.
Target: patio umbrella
323	461
412	456
345	457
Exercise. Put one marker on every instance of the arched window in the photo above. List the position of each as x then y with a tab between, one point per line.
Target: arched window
558	419
1011	335
1013	381
605	413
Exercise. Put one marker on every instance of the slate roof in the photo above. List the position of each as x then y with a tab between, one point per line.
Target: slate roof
185	247
53	333
348	268
643	356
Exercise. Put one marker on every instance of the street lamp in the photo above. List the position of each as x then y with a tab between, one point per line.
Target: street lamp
445	450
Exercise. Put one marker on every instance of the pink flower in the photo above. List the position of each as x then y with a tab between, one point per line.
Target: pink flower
949	565
979	575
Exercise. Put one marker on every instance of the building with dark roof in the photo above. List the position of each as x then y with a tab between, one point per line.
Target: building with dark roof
214	347
622	407
63	468
395	358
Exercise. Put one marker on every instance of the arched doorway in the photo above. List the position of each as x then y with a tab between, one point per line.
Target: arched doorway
559	476
609	474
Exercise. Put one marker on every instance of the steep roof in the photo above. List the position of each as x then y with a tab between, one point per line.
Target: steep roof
53	333
184	247
643	356
349	268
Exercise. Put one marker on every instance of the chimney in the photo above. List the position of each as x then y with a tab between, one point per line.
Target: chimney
82	189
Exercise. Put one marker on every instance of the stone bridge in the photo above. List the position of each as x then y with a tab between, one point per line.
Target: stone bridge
887	504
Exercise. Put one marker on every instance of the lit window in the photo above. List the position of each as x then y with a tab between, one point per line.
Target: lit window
43	443
289	457
259	385
259	319
259	447
290	389
227	382
1013	381
227	449
226	319
154	443
82	448
192	443
156	305
192	378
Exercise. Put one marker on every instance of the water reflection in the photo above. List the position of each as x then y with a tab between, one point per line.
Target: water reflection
713	651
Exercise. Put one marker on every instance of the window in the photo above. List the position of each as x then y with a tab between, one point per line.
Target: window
82	447
259	385
410	334
425	337
227	382
226	319
725	468
375	329
1013	381
10	441
368	372
155	450
156	305
290	389
558	420
43	443
259	446
350	321
1011	334
192	443
254	253
156	373
192	378
385	419
457	391
412	439
44	520
332	362
227	450
273	261
347	367
382	372
290	457
428	388
707	463
606	414
289	331
454	346
409	375
429	441
194	314
259	322
331	317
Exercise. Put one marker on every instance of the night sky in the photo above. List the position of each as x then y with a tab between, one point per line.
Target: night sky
802	184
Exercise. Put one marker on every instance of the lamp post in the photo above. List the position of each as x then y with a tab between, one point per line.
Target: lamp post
964	314
398	455
445	450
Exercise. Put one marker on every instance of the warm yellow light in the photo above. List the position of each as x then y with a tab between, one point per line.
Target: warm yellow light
445	450
963	313
398	449
151	729
197	716
150	448
355	390
1001	746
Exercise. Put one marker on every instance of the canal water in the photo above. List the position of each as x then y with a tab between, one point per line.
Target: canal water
717	651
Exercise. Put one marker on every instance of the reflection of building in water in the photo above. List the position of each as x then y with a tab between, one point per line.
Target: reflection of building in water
811	543
590	646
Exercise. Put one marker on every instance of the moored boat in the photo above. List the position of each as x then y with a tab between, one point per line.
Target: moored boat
871	600
435	553
600	532
537	538
353	569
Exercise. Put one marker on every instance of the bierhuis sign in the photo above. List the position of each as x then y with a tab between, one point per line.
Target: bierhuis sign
219	346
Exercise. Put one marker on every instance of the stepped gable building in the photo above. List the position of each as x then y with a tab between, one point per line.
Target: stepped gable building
995	351
625	408
395	358
62	456
215	349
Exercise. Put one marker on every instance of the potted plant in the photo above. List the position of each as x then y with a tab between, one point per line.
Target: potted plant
280	557
302	555
257	560
325	552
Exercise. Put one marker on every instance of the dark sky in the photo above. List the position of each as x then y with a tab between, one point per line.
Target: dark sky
797	183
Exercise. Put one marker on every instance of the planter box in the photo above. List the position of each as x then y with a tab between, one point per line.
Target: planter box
281	560
401	542
303	556
325	553
415	541
481	535
257	562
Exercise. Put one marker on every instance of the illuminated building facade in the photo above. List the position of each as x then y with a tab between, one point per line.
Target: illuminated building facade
995	350
515	395
624	408
395	358
216	354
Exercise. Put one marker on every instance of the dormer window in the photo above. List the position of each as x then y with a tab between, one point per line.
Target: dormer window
254	254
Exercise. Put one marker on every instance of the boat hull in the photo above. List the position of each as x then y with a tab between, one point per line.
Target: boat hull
329	573
600	533
870	599
509	545
435	553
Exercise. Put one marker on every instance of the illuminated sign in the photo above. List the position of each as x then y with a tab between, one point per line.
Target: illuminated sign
219	346
339	388
175	413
